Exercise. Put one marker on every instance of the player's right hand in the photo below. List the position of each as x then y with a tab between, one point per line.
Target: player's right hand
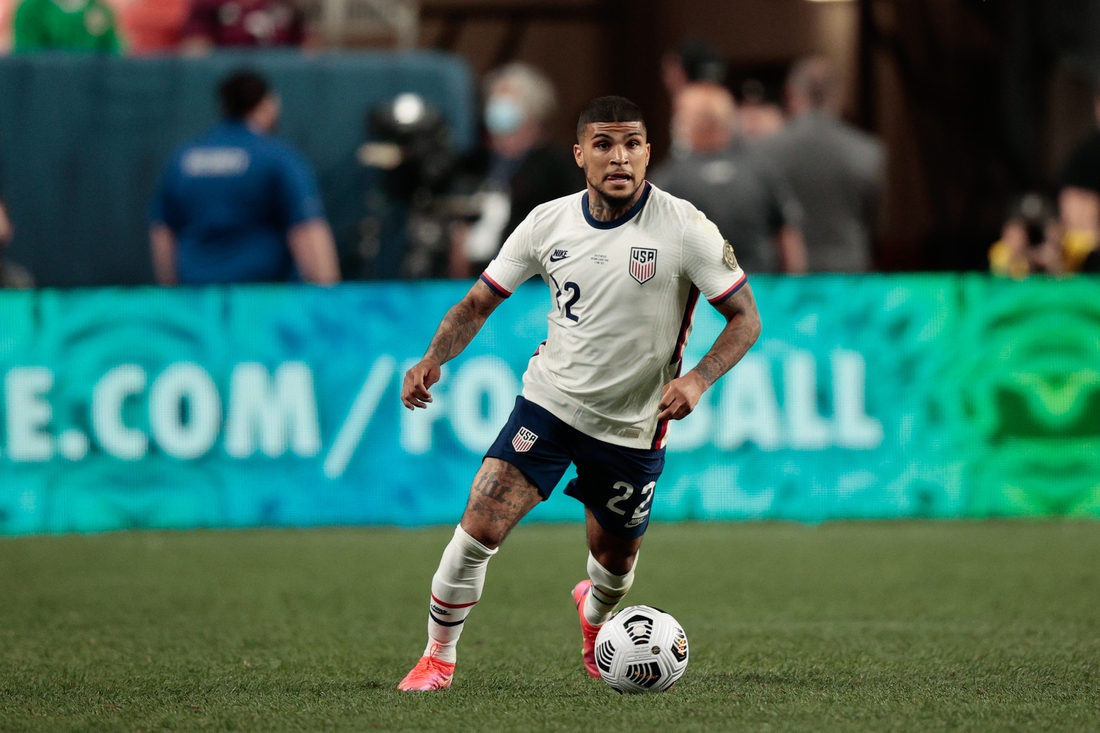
414	391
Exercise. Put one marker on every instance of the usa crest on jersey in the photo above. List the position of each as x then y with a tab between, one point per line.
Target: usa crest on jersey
524	440
643	263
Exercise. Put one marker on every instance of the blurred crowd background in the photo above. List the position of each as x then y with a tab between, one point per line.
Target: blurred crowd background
820	136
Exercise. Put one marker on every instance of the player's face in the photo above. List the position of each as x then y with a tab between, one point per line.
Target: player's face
614	156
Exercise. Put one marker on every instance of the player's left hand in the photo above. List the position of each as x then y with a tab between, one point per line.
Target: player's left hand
680	397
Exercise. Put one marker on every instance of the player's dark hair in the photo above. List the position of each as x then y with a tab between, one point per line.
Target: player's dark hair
241	92
608	109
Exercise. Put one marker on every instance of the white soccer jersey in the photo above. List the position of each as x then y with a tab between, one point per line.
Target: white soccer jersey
624	295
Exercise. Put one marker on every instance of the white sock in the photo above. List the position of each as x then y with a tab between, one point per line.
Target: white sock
607	591
456	588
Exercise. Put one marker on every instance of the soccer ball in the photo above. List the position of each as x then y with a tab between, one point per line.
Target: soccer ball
641	649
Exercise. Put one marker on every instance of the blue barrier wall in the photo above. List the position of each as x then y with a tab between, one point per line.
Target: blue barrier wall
865	397
83	139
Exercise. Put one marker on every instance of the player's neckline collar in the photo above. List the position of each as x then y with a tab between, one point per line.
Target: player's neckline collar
592	221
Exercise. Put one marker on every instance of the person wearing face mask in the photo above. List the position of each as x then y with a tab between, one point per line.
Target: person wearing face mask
517	170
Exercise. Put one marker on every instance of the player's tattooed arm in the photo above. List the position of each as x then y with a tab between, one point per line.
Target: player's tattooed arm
455	332
742	329
462	322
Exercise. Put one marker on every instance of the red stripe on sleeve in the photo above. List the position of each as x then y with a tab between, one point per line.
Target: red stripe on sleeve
725	296
495	286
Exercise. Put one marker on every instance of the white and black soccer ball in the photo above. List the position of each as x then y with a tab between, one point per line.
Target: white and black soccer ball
641	649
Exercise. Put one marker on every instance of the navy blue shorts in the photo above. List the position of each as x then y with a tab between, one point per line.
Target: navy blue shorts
616	483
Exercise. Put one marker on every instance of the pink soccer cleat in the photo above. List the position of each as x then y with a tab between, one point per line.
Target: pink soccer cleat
588	631
428	674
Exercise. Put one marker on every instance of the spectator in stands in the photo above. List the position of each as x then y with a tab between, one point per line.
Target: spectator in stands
152	26
518	170
836	171
238	206
741	193
1079	201
760	112
11	274
65	25
243	23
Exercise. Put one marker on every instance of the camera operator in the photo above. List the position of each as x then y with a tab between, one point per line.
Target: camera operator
517	170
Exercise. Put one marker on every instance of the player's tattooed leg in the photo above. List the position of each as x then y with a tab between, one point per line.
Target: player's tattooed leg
501	496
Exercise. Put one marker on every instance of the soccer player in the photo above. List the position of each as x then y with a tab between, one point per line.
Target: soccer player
625	263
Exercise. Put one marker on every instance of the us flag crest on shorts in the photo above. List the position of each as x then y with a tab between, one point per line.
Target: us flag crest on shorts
643	263
524	440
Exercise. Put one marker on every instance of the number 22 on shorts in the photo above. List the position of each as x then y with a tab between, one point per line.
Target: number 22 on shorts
642	511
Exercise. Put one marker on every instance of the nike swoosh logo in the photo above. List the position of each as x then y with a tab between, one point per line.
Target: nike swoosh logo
557	258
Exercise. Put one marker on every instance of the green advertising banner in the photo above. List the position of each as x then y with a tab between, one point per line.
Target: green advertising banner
866	397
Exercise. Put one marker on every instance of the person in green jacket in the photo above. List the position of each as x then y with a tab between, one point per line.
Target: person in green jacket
65	25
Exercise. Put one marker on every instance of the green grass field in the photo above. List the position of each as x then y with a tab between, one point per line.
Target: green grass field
849	627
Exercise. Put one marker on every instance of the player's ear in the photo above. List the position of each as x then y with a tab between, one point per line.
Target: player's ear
648	152
578	155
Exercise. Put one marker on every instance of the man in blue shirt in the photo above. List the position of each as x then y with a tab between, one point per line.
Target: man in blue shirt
238	206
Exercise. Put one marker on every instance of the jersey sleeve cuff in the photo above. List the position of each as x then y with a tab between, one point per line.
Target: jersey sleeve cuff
495	286
718	300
